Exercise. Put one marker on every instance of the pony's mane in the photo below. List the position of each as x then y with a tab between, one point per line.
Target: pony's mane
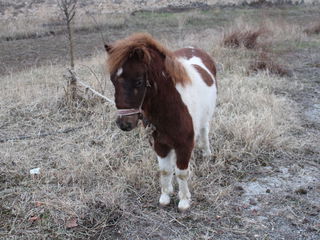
122	49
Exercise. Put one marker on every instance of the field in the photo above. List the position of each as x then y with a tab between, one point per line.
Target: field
97	182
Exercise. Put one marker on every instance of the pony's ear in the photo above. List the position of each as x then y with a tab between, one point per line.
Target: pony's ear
108	47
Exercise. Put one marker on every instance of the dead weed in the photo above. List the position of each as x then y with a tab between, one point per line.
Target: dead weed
263	62
314	29
246	38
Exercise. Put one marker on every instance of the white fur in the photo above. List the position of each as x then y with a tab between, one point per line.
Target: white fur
200	100
119	72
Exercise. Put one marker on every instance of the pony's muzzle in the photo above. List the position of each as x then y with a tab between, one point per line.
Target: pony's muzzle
127	123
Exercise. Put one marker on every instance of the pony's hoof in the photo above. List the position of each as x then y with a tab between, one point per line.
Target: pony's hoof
206	153
164	200
184	205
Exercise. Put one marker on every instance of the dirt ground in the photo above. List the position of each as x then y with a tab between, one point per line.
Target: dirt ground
279	199
284	197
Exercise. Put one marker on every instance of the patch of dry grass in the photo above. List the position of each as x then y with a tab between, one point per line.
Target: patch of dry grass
263	62
107	179
314	29
246	38
259	44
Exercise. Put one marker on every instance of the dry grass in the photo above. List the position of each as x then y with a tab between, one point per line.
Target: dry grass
263	62
247	39
106	179
265	33
264	41
47	20
314	29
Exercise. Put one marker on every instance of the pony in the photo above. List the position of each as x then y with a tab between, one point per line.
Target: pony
174	92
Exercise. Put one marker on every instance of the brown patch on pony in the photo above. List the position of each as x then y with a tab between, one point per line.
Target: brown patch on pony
164	108
196	52
125	48
204	75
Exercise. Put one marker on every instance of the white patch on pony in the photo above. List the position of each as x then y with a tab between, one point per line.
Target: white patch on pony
191	47
166	166
200	100
119	72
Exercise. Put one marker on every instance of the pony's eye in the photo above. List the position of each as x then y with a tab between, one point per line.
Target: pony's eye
139	83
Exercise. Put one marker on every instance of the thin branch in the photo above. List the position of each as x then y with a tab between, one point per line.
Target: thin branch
97	26
73	75
68	8
95	75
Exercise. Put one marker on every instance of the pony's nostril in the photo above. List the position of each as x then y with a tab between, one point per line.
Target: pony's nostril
126	127
129	126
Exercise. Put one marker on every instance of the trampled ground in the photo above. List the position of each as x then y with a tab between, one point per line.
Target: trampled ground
97	182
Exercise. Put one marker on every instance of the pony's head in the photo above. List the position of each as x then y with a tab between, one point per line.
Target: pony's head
130	81
129	61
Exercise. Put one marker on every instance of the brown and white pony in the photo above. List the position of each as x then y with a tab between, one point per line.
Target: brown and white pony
173	91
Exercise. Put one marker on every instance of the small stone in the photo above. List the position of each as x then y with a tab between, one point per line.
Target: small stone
301	191
35	171
305	220
268	191
253	202
238	188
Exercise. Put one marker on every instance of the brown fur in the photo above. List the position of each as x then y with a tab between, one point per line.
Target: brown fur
204	74
165	109
162	106
122	50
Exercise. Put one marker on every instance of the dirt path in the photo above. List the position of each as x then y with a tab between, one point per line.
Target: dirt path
282	201
25	53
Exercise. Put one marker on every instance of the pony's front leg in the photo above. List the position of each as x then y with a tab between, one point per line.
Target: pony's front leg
166	160
166	174
182	174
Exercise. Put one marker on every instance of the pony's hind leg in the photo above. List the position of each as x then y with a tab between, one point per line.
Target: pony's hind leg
204	138
166	166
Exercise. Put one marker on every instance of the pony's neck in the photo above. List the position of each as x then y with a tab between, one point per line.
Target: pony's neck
162	100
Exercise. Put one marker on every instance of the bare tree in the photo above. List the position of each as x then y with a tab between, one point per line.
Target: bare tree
68	8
